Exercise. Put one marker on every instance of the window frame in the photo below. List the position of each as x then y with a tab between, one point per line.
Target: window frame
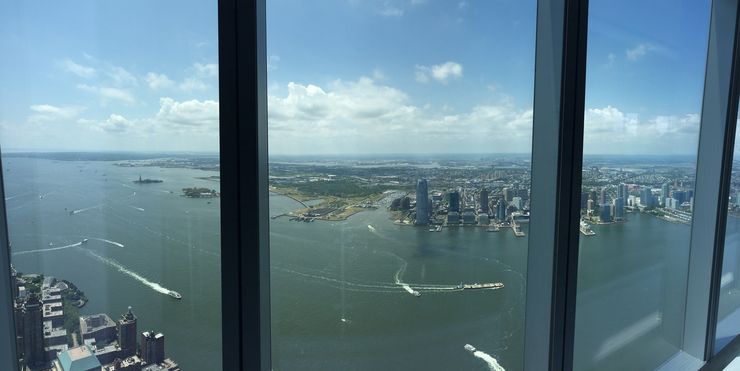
557	155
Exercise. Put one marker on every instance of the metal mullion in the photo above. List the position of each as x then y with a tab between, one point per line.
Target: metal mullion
8	351
244	214
557	152
714	166
725	184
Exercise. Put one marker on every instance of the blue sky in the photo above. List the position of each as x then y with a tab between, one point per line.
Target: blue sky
344	76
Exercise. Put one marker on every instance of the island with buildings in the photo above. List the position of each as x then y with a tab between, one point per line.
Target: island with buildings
199	192
52	336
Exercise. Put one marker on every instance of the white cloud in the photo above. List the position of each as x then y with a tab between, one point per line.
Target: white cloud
47	112
114	124
639	51
77	69
207	70
158	81
192	84
609	130
107	94
364	116
120	77
192	115
441	72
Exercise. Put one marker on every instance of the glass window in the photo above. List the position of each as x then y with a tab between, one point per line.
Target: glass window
109	131
644	82
728	319
399	159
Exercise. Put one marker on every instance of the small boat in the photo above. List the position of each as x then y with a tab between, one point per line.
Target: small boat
175	294
416	293
469	348
84	241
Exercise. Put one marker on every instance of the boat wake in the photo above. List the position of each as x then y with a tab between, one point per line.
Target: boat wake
114	243
45	250
73	212
492	363
114	264
137	208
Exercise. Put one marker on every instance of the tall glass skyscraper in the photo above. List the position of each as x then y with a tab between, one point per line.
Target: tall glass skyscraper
422	202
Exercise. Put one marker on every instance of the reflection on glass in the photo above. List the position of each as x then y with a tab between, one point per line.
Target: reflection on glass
643	98
728	319
109	130
400	138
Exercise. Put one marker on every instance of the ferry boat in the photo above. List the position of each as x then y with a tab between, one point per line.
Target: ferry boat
586	229
175	294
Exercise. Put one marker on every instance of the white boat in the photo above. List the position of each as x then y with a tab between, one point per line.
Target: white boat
469	348
175	294
84	240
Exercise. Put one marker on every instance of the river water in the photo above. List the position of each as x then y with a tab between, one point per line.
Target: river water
337	288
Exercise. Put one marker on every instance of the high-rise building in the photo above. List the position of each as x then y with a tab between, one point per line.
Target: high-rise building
594	196
605	213
680	197
602	197
646	197
620	191
484	201
152	347
33	332
422	202
127	334
584	200
590	205
664	193
507	193
454	200
518	203
625	192
501	209
618	208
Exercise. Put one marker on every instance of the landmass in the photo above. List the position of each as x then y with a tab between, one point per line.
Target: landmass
147	181
196	192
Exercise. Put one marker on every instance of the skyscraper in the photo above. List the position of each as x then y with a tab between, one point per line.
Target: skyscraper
127	333
664	193
618	208
454	200
33	331
602	197
501	210
605	213
620	191
625	192
646	198
152	347
422	202
484	201
507	194
584	200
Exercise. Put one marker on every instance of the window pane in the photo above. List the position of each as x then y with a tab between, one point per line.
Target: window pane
645	74
399	143
728	319
109	129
